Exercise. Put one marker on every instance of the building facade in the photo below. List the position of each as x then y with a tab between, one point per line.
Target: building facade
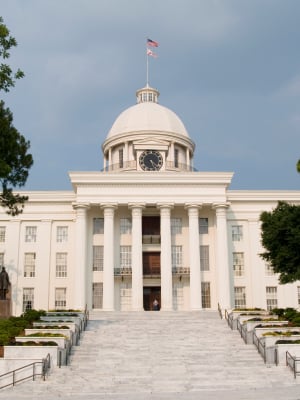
147	227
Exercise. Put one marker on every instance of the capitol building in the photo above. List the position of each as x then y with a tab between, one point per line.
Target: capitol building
147	227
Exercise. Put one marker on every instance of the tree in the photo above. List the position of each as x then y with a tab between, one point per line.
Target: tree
281	239
298	166
7	76
15	162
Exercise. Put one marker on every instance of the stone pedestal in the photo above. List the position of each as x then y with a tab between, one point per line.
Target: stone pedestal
5	308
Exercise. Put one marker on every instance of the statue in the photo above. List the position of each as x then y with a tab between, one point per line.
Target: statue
4	284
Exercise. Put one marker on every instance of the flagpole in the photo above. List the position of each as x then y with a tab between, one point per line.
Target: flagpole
147	77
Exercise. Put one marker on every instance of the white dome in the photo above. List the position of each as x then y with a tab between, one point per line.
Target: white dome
148	116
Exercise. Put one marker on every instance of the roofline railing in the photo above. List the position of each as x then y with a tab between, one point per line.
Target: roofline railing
132	165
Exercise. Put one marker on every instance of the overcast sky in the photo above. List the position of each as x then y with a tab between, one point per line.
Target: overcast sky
230	69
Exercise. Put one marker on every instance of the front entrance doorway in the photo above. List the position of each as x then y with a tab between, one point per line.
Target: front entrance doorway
150	294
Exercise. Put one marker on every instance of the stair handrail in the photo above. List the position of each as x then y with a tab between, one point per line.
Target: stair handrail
220	311
291	362
45	363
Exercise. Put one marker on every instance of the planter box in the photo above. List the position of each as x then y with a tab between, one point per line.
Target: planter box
281	349
233	316
30	352
66	332
72	325
11	365
248	327
260	331
61	341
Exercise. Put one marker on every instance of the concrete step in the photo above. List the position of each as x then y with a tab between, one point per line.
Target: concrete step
136	355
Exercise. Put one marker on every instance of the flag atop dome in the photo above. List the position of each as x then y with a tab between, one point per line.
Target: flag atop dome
152	43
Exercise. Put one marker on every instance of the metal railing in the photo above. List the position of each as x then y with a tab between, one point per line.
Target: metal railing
151	239
181	270
20	374
292	362
260	345
132	165
123	271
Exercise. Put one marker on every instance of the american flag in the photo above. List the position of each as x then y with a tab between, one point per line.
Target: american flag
152	43
151	53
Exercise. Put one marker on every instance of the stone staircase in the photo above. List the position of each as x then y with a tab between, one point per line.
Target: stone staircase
161	355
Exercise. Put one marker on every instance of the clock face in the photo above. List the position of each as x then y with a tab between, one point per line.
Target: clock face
151	160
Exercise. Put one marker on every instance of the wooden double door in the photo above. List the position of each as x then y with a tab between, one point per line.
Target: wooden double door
151	263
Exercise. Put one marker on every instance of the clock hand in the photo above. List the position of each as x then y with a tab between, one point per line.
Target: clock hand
153	164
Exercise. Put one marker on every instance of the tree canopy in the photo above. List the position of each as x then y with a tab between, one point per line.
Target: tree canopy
298	166
15	161
281	240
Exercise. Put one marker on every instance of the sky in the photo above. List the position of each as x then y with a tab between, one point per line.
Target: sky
230	69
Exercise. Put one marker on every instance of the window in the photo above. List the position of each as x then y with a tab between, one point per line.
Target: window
176	158
121	159
98	295
238	264
98	226
97	258
61	265
239	297
203	225
176	226
204	258
269	270
1	259
60	298
205	293
125	226
237	233
150	95
29	265
28	299
61	234
30	234
271	294
125	256
176	257
2	233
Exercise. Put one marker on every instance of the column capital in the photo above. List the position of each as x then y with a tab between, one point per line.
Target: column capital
112	206
188	206
170	206
132	206
81	206
218	206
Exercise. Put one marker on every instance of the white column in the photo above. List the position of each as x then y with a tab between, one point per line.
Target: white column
194	253
166	257
80	261
126	155
187	157
223	272
137	257
108	257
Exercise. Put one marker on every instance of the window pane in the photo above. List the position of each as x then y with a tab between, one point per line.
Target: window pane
61	265
176	257
98	226
271	294
237	233
205	292
2	233
203	225
29	265
239	297
98	295
238	264
125	256
60	298
176	226
28	299
97	258
125	226
62	234
204	258
30	234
